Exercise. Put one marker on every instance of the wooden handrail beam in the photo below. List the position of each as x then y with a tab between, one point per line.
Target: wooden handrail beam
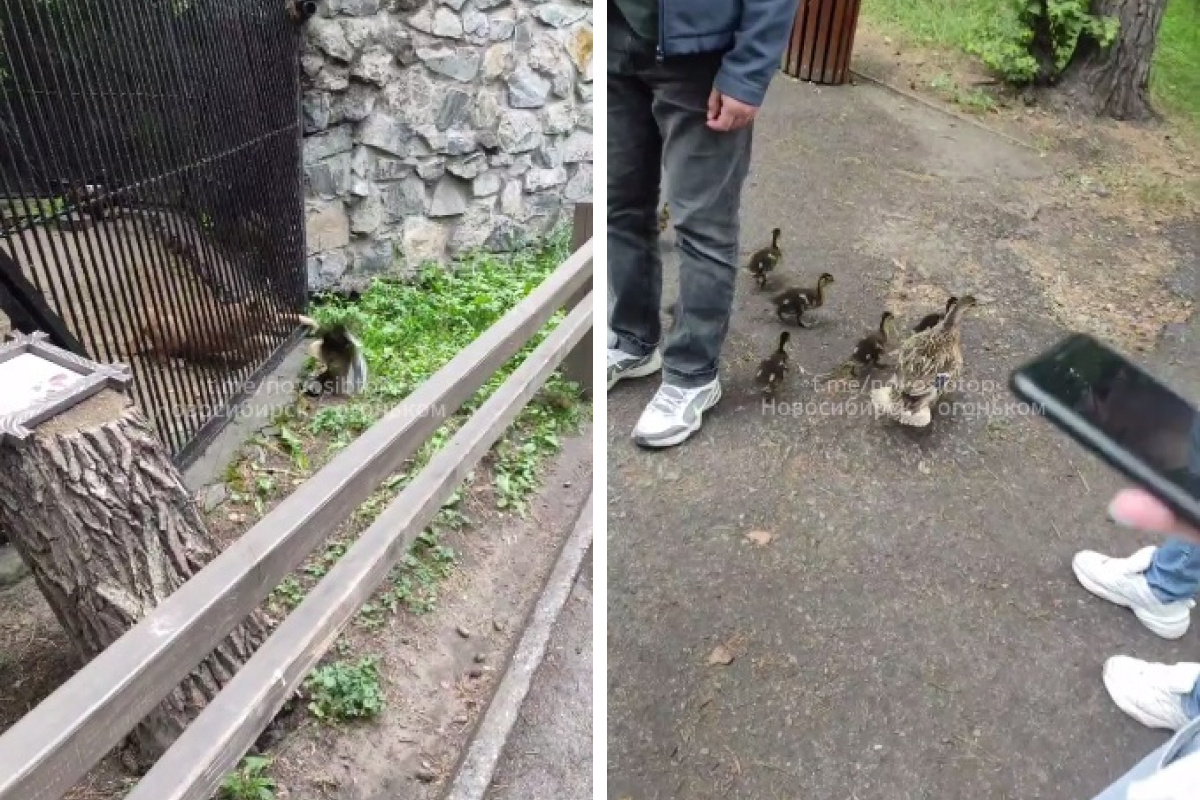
47	751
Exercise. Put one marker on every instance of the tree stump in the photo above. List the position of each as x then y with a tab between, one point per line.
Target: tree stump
100	514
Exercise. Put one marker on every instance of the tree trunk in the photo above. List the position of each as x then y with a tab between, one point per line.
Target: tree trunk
101	516
1114	82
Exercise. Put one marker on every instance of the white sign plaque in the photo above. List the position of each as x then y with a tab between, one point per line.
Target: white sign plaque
29	380
39	381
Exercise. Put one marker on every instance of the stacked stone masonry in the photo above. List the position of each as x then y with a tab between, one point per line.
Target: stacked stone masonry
437	126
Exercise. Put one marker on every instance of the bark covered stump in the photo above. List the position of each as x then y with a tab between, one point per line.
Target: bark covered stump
99	513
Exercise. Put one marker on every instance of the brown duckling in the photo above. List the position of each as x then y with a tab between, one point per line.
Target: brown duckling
869	351
872	347
795	301
764	261
664	218
930	320
772	370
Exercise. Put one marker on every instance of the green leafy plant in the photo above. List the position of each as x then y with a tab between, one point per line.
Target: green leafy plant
249	782
288	594
293	445
319	566
1034	40
344	691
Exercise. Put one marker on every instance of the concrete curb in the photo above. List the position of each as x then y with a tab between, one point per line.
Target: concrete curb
478	765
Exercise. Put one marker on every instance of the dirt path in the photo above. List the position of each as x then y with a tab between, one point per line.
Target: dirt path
912	629
437	680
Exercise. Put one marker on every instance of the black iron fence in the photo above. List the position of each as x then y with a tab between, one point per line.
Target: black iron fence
151	206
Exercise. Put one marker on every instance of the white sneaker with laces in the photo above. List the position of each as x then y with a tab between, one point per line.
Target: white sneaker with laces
675	414
1123	581
1153	694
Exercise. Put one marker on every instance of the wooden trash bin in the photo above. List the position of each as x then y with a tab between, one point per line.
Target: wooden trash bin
822	39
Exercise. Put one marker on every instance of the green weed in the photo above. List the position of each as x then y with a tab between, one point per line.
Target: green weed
288	594
1011	48
249	781
344	691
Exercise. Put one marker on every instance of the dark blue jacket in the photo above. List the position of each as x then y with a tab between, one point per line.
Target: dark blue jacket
752	33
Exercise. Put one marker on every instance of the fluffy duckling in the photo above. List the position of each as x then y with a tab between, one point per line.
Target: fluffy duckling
795	301
773	369
871	349
764	261
930	320
926	363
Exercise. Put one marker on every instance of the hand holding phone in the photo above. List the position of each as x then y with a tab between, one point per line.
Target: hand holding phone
1131	420
1138	509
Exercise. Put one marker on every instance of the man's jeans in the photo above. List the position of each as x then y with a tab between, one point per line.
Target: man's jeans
1185	744
1174	575
657	115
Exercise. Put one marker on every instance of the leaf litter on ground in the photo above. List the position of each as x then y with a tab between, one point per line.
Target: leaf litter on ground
759	538
727	652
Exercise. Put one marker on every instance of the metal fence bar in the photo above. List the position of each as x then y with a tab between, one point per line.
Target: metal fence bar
99	345
160	164
46	752
213	744
19	51
186	115
163	167
121	249
100	349
200	310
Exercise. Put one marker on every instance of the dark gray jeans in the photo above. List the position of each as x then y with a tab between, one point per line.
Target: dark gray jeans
657	114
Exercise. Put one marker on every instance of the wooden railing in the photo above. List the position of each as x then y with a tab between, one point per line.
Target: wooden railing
52	747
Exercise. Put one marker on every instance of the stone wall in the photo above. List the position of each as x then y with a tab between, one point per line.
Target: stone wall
434	126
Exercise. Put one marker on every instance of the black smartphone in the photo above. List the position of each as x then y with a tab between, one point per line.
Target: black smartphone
1122	414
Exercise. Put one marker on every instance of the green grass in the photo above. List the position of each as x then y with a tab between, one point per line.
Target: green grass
410	330
1176	77
947	23
1175	80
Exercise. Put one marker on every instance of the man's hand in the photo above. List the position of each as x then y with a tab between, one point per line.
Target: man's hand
727	114
1136	508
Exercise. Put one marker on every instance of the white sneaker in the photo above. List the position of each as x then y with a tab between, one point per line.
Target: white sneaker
1122	581
675	414
1153	694
621	365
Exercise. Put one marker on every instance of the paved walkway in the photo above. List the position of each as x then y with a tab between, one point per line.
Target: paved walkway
549	754
912	630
